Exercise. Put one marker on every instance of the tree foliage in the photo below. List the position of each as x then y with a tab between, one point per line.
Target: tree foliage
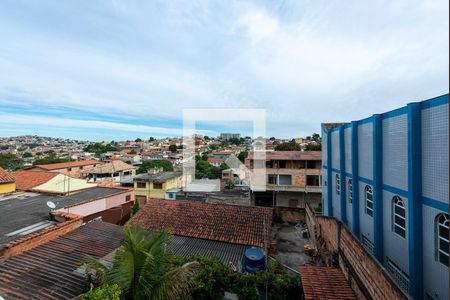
10	162
214	277
157	163
204	169
142	269
99	148
313	147
105	292
289	146
243	155
173	148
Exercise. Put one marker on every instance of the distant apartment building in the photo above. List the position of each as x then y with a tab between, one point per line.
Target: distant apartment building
229	136
293	179
386	177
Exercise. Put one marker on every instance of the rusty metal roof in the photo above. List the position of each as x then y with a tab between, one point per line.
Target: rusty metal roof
48	271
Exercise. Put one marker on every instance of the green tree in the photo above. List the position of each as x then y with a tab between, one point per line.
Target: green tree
138	140
10	162
151	139
243	155
99	148
289	146
143	270
105	292
158	163
313	147
27	154
173	148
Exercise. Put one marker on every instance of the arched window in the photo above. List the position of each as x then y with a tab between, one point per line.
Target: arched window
442	238
368	195
350	191
338	184
398	216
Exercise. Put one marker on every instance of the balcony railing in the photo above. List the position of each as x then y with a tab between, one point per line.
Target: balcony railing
293	188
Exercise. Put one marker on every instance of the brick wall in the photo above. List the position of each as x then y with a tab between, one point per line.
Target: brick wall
365	274
33	240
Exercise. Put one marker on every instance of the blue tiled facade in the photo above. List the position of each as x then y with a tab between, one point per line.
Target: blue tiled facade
401	157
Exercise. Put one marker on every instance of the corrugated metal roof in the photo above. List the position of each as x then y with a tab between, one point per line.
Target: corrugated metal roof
47	271
185	246
16	213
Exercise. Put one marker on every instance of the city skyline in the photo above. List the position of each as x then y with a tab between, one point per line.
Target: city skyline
107	72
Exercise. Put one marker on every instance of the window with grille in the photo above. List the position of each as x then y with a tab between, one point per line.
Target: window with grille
398	216
157	186
350	191
338	184
141	185
368	195
400	277
442	222
367	243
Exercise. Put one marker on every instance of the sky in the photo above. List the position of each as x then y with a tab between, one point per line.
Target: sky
117	70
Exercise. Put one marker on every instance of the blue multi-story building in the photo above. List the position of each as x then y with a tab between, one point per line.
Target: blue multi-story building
386	177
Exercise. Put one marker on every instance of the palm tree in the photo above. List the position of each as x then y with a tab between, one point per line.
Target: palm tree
141	268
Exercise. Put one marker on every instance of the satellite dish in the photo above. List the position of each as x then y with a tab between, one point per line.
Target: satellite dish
51	204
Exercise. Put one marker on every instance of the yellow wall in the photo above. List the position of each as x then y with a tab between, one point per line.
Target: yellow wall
61	183
7	187
150	192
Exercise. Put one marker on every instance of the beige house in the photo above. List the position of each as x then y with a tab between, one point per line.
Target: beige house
116	169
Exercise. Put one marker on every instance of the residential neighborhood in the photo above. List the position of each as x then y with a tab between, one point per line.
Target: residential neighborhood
224	150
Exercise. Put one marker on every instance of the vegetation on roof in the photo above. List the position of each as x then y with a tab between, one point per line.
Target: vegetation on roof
157	163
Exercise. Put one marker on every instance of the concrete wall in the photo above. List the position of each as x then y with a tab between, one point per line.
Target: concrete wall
423	128
366	275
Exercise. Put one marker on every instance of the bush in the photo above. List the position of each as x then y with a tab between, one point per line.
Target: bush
215	277
104	292
157	163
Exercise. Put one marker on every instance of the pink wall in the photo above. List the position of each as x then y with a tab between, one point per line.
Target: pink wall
99	205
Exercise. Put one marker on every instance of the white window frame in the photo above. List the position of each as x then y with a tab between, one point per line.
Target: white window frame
350	190
442	223
368	191
338	184
397	228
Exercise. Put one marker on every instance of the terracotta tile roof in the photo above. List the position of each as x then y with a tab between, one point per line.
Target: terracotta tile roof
48	271
234	224
216	160
27	180
5	177
111	167
70	164
325	283
291	155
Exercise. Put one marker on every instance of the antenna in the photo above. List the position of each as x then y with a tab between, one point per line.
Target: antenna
51	205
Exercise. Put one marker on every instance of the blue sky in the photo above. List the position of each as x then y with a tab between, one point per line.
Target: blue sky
105	70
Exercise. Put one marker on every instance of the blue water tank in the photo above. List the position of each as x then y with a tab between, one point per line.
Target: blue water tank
254	260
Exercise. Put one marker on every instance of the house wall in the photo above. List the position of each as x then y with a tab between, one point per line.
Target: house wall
8	187
61	184
418	130
367	277
150	192
99	205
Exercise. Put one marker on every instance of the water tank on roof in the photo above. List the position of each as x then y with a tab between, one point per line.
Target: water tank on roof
254	260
